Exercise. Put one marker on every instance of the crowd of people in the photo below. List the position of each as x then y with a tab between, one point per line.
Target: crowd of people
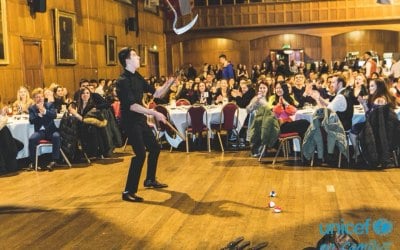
275	91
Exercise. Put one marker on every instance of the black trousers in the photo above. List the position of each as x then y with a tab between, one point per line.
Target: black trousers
299	126
141	137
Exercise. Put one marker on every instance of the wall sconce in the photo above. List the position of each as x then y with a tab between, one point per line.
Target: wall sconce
153	48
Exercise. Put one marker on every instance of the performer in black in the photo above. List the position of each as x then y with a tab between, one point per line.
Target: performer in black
130	88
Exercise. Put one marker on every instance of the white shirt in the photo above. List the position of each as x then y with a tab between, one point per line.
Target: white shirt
338	104
395	69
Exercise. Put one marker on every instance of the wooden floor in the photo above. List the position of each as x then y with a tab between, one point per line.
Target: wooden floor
212	198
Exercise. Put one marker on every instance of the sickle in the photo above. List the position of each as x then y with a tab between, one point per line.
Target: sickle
185	28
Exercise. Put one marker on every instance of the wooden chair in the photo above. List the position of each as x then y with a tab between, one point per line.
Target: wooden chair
194	117
228	121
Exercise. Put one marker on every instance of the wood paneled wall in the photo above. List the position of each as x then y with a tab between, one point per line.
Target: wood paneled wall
202	51
260	48
95	19
291	13
365	40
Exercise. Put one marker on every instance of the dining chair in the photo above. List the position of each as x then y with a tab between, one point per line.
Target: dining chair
228	121
47	144
195	117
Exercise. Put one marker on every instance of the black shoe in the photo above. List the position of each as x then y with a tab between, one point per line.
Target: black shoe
50	166
154	184
131	197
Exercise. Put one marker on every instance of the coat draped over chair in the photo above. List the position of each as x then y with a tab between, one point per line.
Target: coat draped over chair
264	129
380	136
327	120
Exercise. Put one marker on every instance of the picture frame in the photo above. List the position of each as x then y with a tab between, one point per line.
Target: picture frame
4	58
65	37
142	50
150	7
111	50
125	1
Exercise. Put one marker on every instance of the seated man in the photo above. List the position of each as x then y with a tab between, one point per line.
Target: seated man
42	116
342	103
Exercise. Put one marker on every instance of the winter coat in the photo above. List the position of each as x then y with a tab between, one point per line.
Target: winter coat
329	121
69	136
380	136
8	152
264	129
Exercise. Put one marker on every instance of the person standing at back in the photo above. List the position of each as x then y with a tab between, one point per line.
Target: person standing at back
130	89
370	64
227	68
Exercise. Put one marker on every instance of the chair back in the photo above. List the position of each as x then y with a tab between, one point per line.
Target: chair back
230	113
161	126
183	102
196	114
152	105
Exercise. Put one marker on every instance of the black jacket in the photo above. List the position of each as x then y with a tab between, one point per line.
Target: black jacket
380	136
46	121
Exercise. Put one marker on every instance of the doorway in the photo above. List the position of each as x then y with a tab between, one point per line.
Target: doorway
154	66
32	63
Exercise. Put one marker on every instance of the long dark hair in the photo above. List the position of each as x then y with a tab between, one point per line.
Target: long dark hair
382	91
90	103
286	94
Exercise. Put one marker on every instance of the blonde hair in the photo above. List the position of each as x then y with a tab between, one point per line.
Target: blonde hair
36	92
27	94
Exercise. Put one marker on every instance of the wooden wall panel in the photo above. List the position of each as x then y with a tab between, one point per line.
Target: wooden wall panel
364	40
260	48
287	13
202	51
95	19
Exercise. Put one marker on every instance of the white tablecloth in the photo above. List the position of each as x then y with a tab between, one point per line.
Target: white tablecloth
358	116
21	129
178	116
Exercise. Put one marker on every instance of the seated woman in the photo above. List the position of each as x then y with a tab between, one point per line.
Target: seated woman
302	90
379	95
21	105
283	108
223	93
359	87
59	99
202	95
48	95
257	103
92	127
187	91
395	90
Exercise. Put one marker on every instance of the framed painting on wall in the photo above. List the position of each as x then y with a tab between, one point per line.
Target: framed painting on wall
111	50
3	34
65	37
